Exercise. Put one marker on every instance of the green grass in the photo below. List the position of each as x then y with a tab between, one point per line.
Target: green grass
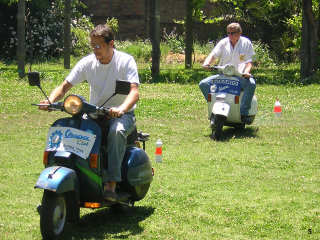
259	183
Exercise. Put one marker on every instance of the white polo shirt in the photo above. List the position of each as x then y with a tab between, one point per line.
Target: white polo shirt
102	77
238	56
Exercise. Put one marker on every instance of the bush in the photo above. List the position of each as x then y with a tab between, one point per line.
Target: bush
44	29
139	49
264	58
175	42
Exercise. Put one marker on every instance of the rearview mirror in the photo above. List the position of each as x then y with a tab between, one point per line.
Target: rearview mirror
122	87
34	78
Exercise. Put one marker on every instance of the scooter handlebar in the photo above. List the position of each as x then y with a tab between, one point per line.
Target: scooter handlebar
51	107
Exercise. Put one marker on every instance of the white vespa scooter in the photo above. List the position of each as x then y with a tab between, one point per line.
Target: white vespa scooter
224	100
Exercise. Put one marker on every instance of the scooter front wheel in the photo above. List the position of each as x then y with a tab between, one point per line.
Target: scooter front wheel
217	126
53	217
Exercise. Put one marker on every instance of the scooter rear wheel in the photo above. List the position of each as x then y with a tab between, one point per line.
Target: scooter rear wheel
53	217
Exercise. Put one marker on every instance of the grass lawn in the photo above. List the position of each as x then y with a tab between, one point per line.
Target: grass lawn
259	183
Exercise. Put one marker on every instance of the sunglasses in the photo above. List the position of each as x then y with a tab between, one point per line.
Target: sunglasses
232	33
97	46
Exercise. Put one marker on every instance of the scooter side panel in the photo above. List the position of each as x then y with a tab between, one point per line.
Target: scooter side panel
136	167
57	179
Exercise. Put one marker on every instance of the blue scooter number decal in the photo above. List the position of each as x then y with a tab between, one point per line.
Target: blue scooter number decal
70	140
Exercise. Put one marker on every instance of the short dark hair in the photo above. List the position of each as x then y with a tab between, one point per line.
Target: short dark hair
104	31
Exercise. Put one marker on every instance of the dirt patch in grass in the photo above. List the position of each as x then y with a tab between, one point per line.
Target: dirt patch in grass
179	58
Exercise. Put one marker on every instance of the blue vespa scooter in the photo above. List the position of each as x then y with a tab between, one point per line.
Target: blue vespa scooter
75	162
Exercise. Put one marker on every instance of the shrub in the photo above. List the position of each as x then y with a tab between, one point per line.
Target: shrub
175	42
44	30
139	49
264	58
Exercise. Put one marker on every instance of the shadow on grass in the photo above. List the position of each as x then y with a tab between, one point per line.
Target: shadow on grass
104	223
237	133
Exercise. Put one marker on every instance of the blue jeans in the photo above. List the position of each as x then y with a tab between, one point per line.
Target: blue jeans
248	86
119	130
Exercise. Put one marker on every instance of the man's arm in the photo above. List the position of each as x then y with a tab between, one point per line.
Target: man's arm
210	59
57	94
247	70
60	91
129	102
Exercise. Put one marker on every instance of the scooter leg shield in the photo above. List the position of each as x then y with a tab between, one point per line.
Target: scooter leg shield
57	179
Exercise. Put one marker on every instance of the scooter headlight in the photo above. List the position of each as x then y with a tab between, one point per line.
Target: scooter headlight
73	104
229	70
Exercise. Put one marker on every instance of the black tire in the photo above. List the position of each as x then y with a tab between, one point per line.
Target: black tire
73	207
219	121
53	217
139	192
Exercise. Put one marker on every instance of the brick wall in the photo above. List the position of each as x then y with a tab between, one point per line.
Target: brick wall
133	15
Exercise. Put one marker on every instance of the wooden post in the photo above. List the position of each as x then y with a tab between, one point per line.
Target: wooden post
189	34
21	29
67	34
155	37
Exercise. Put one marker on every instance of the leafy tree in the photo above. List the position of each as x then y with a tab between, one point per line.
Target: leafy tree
290	28
193	13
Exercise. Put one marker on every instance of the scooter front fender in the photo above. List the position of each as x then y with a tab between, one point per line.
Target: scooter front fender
221	108
57	179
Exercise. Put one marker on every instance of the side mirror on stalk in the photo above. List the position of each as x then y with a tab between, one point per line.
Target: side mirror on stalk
122	87
34	80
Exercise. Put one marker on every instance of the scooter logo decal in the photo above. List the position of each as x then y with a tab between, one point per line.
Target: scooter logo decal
55	139
80	139
70	140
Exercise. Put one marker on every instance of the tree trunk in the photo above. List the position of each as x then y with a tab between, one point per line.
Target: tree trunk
67	34
155	37
309	40
189	34
21	30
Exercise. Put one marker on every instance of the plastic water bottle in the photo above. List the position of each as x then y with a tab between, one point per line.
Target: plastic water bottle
159	151
277	108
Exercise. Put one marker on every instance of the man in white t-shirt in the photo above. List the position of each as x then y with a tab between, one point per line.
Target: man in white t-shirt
237	50
101	69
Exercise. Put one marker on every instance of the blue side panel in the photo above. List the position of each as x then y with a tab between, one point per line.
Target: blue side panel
57	179
67	122
136	167
92	127
225	84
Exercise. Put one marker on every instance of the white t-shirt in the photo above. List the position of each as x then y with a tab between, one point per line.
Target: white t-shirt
238	56
102	77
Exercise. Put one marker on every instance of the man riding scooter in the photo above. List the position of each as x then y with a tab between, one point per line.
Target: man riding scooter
101	69
238	51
